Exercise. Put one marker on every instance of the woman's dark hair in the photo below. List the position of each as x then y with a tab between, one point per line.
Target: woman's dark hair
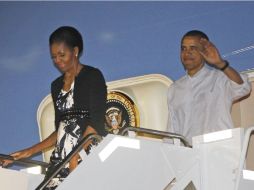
196	33
69	35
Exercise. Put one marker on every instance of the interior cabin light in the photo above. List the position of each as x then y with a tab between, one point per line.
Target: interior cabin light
216	136
248	174
118	142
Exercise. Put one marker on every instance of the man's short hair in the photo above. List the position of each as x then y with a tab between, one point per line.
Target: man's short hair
196	33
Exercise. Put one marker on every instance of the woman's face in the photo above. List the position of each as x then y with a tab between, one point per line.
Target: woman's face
63	56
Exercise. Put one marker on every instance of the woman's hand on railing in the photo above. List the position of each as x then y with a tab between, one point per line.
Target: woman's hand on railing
74	162
16	156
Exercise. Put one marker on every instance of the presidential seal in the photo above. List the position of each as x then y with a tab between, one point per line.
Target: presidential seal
121	112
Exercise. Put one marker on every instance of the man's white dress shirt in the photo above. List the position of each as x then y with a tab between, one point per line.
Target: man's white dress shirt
202	103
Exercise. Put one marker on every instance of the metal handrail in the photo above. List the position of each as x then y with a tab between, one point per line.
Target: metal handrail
159	133
25	161
68	158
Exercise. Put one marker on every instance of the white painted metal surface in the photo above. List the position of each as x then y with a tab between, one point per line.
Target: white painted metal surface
142	163
16	180
216	162
134	164
245	178
219	155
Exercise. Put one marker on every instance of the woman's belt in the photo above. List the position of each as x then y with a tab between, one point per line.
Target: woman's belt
74	113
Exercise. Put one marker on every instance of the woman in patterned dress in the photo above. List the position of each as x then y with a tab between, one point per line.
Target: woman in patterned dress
79	97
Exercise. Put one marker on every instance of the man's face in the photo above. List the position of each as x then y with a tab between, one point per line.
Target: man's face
191	58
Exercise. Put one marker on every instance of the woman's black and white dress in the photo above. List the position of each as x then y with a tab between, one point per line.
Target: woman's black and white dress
68	135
